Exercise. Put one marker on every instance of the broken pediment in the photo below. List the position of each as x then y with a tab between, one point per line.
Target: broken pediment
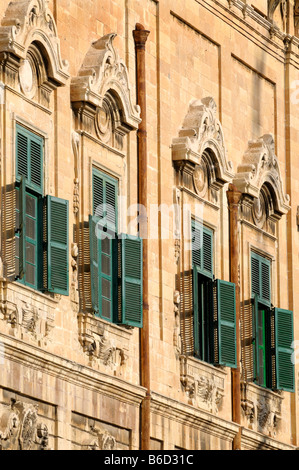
30	47
103	85
202	134
259	174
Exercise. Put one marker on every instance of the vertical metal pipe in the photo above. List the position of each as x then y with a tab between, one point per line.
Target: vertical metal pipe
140	37
234	198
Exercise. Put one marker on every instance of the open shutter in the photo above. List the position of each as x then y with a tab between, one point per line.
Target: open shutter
131	280
22	229
226	309
94	264
196	311
284	337
57	245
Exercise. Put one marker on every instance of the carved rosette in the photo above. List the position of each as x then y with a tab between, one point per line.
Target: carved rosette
20	428
259	179
29	41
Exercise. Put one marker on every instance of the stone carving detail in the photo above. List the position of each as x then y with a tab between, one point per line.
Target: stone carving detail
27	320
101	440
105	343
177	225
102	96
261	409
202	133
29	26
260	168
20	428
203	384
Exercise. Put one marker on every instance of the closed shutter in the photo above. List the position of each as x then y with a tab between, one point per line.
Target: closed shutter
226	316
22	229
202	249
57	245
284	337
29	156
105	193
261	279
131	280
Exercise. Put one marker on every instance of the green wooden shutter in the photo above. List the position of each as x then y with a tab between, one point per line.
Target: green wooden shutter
196	311
57	245
29	153
22	229
261	279
105	194
226	306
94	264
202	249
131	280
284	337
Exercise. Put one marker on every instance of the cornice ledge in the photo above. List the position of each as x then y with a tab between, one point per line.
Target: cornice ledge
252	440
66	370
189	415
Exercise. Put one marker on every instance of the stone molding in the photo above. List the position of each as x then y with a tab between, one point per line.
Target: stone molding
202	131
203	384
102	88
24	24
20	428
260	167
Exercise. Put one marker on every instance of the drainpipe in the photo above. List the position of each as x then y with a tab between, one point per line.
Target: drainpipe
234	198
140	37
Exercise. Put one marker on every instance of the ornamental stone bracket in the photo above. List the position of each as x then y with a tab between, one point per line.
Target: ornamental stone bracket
105	343
101	94
20	428
261	409
202	134
203	384
260	169
28	41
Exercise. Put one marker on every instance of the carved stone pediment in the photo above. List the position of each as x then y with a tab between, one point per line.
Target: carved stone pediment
102	87
260	168
201	134
203	384
20	428
261	409
29	25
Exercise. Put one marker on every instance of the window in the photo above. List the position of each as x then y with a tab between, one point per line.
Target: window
214	304
41	222
273	331
115	260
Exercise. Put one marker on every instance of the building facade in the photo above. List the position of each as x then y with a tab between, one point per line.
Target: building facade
149	224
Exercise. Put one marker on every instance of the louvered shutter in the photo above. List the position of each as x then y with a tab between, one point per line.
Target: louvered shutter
226	316
105	192
261	279
29	153
22	229
131	280
57	245
202	249
284	337
196	311
94	264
